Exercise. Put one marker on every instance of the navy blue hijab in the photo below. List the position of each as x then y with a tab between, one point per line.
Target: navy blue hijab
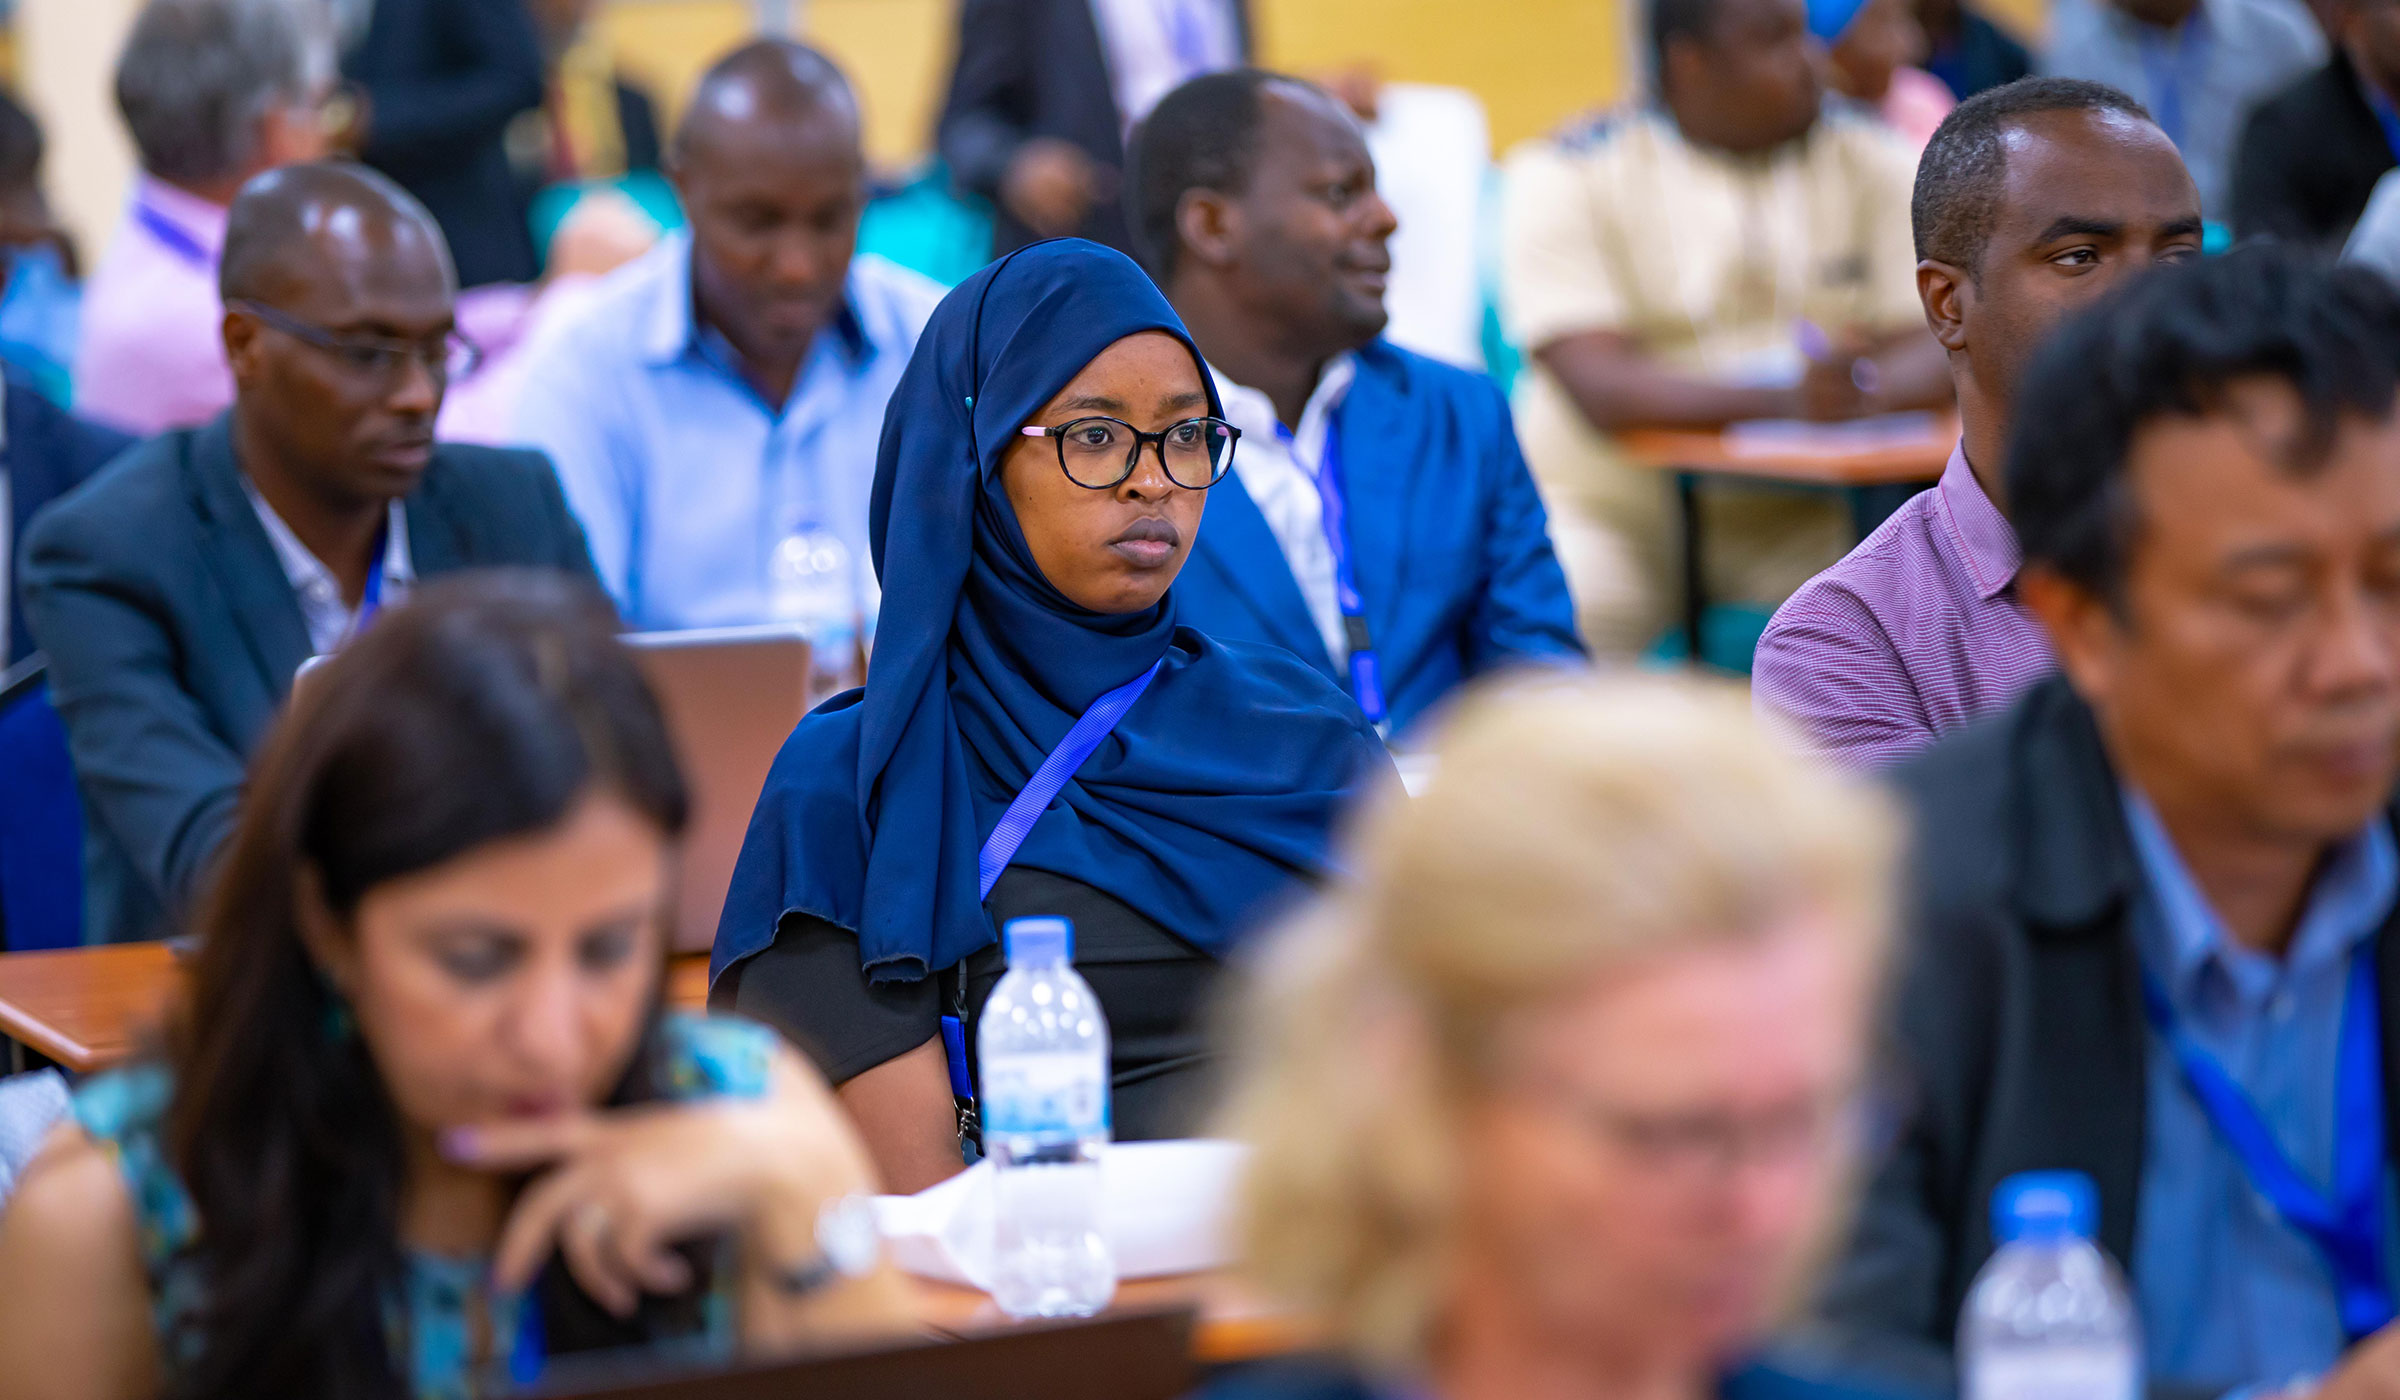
1212	794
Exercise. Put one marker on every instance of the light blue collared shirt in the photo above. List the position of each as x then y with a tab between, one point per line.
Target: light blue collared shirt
684	478
2232	1297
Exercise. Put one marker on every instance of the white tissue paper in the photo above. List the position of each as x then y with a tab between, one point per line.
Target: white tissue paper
1166	1208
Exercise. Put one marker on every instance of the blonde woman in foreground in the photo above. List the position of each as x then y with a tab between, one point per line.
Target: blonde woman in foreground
1558	1100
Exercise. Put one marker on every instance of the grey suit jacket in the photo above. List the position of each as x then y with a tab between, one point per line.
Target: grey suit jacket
173	637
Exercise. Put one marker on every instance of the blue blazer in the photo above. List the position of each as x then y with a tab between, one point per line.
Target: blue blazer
173	636
1448	539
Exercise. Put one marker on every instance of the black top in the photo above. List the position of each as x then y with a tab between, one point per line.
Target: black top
1030	68
1328	1378
2308	159
444	79
2017	1032
1154	987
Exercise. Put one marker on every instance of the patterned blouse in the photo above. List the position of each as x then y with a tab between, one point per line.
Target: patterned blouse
432	1322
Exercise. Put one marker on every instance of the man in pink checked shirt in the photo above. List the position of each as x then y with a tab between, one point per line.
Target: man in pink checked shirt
2031	201
213	92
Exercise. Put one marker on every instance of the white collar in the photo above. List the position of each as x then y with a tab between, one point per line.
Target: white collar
305	571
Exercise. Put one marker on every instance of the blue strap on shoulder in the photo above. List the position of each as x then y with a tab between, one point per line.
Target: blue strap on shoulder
1017	822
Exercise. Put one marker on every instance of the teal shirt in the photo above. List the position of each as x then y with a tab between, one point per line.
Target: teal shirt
431	1322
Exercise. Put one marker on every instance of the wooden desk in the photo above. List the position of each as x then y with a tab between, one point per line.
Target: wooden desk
1232	1326
1873	479
90	1008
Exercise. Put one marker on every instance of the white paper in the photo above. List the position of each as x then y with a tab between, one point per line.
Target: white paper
1166	1208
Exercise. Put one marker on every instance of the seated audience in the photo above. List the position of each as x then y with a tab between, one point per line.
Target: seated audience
422	1121
44	453
2153	907
2198	66
1038	488
1736	251
1044	92
443	81
1871	49
41	307
178	595
1531	1124
723	394
1968	52
2032	201
213	92
2310	155
1379	520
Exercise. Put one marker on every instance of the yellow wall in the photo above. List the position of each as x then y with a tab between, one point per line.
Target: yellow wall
1534	62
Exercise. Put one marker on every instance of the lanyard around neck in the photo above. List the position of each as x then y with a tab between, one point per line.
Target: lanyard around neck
174	237
1366	670
2167	69
2348	1229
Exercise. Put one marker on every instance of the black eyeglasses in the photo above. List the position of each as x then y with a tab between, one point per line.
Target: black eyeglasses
448	356
1099	453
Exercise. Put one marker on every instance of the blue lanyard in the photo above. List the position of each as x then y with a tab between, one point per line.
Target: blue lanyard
1366	672
531	1347
1187	38
2166	71
370	599
2347	1230
2385	117
1040	790
176	238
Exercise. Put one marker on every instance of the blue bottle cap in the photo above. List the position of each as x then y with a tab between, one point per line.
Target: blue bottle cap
2045	1206
1026	942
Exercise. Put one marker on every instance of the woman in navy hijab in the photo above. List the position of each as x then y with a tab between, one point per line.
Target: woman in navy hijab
1044	464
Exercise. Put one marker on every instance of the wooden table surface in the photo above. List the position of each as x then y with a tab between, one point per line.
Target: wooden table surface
1917	458
1232	1325
89	1008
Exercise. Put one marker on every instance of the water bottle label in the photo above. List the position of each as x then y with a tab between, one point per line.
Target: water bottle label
1041	1094
2055	1373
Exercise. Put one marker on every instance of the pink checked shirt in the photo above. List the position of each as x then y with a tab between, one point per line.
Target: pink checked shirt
1912	634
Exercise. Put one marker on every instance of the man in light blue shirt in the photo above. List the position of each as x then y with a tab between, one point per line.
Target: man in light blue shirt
718	403
2236	1296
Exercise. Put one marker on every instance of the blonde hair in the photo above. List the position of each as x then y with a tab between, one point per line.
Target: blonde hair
1571	825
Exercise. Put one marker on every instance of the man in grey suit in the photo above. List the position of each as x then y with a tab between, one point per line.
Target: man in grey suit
180	590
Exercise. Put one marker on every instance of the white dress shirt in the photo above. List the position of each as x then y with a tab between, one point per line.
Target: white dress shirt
1279	469
331	621
1156	46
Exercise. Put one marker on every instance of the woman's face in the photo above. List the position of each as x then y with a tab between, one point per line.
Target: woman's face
1112	551
1883	37
513	980
1662	1146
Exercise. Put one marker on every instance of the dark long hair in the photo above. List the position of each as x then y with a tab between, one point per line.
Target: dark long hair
479	711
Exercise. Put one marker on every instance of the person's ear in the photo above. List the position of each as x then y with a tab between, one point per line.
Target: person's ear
2087	631
333	951
1209	226
244	350
1947	294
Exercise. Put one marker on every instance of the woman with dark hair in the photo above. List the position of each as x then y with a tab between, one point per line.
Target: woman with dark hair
1037	736
422	1120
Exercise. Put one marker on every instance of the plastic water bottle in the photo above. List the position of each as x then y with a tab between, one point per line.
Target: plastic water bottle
811	583
1042	1044
2048	1318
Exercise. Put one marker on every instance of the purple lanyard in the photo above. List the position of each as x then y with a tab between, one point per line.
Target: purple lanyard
1186	36
1366	673
173	236
370	599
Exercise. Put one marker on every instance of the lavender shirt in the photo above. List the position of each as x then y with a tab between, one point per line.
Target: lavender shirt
153	354
1911	635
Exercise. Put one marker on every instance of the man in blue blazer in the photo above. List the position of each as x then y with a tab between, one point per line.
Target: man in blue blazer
1379	519
179	591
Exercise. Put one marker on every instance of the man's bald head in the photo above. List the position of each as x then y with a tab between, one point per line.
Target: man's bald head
296	230
769	83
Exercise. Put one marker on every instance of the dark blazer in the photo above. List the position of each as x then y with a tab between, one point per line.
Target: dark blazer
444	79
173	636
1028	68
1448	538
2309	157
2017	1021
48	452
1981	55
1326	1378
